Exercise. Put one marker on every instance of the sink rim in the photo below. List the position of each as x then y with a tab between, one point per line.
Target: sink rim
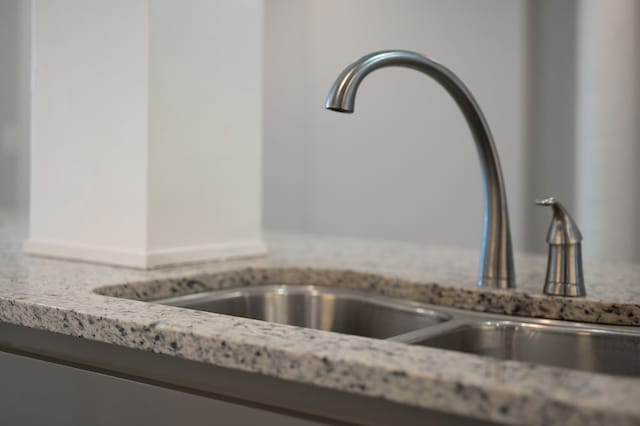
395	303
495	323
405	306
459	324
464	318
453	319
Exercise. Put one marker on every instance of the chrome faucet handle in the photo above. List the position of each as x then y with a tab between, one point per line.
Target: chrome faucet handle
564	265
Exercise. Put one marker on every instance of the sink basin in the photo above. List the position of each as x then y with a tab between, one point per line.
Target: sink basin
322	308
577	347
590	347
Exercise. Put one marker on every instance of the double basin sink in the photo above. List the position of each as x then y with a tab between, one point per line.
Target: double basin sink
589	347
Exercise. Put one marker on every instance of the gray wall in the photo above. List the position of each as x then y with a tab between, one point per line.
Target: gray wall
38	393
404	165
14	118
550	151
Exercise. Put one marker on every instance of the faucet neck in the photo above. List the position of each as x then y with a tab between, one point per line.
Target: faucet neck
496	257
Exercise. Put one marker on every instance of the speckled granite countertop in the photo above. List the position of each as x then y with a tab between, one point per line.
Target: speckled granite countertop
63	297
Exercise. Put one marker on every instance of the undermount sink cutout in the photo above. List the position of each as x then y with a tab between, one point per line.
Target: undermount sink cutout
376	306
322	308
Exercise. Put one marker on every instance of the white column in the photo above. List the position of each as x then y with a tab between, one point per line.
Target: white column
146	130
608	129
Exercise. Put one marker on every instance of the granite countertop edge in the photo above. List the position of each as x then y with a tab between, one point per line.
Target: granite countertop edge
60	296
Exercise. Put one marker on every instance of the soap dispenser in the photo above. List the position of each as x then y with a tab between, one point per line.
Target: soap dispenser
564	265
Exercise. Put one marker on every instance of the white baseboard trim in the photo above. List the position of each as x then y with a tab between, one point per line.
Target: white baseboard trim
146	260
201	253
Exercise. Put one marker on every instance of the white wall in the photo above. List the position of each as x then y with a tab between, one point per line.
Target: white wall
404	166
89	130
146	130
205	123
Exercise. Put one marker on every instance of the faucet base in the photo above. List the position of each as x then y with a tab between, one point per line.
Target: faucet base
565	289
490	282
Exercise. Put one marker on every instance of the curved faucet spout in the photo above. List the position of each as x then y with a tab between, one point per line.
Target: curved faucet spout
496	257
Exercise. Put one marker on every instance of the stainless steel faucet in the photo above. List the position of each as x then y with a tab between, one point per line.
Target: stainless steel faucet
496	256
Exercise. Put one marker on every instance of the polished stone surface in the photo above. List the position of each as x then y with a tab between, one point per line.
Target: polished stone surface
63	297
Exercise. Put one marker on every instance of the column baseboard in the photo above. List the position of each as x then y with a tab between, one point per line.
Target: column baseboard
149	259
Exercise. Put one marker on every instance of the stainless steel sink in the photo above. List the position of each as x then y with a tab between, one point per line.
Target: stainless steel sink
583	349
332	309
588	347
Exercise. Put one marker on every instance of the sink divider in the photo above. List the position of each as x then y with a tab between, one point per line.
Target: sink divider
431	331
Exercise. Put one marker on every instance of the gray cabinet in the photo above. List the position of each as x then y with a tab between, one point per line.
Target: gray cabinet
36	392
53	379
